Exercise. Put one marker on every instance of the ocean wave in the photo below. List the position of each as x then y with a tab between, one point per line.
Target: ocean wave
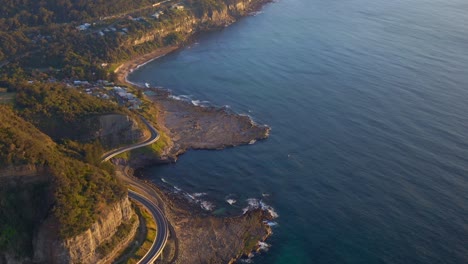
270	210
231	201
196	102
254	204
181	97
208	206
270	223
256	13
194	197
263	246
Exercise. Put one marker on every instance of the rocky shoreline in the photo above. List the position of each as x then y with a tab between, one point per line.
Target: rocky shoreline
212	239
196	235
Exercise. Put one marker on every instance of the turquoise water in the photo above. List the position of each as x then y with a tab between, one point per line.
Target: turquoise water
368	103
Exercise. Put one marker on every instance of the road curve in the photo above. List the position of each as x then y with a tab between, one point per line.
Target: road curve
162	233
154	137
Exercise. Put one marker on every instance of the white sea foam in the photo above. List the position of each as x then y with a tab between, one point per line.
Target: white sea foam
208	206
177	189
255	204
256	13
263	246
163	180
196	102
252	205
180	97
270	223
252	142
190	197
200	194
270	210
231	201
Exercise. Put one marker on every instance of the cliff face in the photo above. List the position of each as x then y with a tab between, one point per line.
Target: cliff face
227	14
83	247
111	129
115	130
24	203
26	173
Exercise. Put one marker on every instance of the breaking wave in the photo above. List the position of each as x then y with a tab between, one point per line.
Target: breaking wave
263	246
270	223
231	201
254	204
208	206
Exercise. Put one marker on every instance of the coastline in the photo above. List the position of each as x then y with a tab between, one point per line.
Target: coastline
190	126
224	239
127	67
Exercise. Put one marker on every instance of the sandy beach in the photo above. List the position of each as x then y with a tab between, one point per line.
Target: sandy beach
127	67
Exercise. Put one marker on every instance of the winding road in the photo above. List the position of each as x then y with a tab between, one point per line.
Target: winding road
153	138
143	194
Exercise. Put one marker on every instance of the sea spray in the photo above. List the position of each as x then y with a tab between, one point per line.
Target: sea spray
254	203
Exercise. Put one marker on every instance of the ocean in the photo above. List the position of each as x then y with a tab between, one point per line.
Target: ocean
367	161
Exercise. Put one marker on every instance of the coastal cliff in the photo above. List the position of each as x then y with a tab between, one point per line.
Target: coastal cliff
117	129
190	22
84	248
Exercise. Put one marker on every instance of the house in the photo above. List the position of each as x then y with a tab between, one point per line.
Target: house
177	7
85	26
157	14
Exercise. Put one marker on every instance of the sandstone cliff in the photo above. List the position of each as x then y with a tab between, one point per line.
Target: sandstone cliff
115	130
83	247
228	12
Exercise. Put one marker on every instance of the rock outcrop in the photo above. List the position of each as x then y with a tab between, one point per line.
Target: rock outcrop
116	129
190	126
48	248
228	12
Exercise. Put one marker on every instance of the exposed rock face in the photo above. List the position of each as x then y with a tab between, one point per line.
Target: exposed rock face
203	238
81	248
116	129
25	173
24	195
195	127
229	12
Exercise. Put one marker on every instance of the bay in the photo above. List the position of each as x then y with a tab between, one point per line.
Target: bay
367	99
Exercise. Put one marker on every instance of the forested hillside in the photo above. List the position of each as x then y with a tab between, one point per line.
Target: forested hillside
16	14
79	190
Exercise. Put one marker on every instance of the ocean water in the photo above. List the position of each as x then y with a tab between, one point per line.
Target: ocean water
368	103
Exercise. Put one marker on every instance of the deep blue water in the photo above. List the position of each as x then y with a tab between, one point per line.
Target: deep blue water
368	101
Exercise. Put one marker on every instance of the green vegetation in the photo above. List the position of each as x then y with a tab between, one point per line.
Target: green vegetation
122	233
46	100
150	235
80	190
43	35
17	226
7	98
30	13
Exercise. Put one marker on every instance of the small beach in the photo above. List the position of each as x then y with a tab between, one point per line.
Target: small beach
127	67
